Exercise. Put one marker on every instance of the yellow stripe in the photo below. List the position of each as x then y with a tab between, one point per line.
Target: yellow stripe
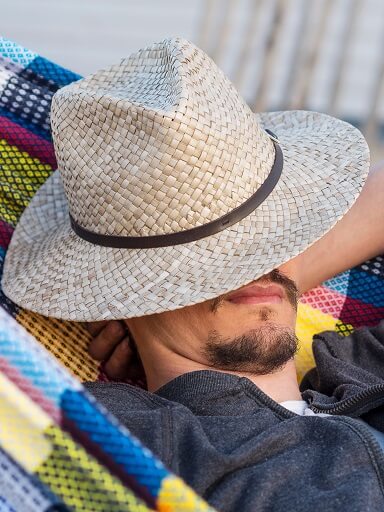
67	341
176	496
81	481
20	177
310	321
22	426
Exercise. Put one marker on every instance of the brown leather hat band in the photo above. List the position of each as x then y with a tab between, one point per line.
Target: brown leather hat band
190	235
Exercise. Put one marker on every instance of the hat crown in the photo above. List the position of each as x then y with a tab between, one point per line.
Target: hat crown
157	144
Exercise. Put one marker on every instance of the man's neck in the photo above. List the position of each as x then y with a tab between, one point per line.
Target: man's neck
163	366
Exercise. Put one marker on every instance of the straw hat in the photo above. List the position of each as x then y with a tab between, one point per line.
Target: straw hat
170	191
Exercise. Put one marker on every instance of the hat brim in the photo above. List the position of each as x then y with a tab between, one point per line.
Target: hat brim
50	270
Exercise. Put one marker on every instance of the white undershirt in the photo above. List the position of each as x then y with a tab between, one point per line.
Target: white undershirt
300	407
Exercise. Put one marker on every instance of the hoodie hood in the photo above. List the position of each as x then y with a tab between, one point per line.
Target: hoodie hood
349	373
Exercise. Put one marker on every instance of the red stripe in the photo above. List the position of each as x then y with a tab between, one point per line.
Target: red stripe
30	390
6	231
27	141
360	314
339	306
326	300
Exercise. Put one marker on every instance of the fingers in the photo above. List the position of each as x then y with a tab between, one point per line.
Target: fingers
111	345
118	365
95	328
108	337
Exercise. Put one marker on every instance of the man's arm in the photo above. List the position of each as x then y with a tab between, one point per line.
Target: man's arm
358	236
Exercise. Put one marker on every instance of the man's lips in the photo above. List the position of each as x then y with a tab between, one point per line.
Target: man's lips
257	294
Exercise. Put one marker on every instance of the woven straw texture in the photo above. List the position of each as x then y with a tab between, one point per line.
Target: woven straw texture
160	143
68	476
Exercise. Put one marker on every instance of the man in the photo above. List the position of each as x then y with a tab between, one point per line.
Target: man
181	212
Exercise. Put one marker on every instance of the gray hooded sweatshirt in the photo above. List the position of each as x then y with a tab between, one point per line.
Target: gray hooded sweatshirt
243	452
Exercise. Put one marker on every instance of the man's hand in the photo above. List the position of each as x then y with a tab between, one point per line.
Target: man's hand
111	344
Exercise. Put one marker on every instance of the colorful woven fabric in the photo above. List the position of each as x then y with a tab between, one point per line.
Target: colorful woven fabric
55	440
350	300
24	491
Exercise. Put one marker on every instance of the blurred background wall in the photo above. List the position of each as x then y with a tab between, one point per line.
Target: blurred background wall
325	55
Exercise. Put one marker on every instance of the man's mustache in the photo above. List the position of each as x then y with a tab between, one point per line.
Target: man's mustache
290	286
275	276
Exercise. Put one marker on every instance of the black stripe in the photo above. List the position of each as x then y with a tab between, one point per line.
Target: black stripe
190	235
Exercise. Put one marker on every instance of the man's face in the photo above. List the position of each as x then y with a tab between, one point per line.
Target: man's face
250	329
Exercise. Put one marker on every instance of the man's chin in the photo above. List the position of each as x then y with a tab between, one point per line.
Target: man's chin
260	351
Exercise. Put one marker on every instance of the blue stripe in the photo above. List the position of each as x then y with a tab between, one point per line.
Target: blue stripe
359	285
124	449
367	288
338	283
15	52
52	71
35	363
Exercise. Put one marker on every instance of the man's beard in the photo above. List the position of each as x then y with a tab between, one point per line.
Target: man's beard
259	351
262	350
